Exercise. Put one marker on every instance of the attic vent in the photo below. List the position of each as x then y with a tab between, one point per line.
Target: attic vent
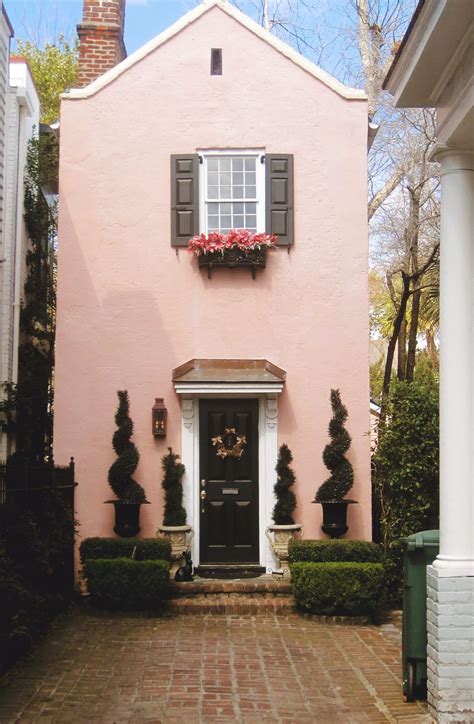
216	61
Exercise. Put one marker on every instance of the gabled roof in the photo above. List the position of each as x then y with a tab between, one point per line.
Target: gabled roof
245	21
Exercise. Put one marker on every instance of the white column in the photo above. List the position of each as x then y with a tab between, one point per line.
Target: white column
456	556
450	581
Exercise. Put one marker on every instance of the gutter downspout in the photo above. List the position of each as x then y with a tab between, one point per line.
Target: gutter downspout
371	133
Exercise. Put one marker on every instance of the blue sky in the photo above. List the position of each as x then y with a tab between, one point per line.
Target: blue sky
41	19
319	22
326	28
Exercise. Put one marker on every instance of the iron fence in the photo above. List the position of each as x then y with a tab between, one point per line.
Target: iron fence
24	488
21	480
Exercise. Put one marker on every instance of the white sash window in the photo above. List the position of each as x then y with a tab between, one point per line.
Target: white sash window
233	191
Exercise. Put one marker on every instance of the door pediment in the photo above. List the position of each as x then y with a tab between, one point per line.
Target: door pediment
231	376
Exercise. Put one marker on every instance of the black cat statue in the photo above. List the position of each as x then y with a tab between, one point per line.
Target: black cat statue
185	572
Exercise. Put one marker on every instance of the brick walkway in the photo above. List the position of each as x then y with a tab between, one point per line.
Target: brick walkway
119	668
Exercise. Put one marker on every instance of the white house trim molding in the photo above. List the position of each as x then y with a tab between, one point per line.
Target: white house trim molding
404	65
267	395
452	65
190	17
227	390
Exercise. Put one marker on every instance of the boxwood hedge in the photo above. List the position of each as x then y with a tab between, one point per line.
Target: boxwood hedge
321	551
126	584
345	589
148	549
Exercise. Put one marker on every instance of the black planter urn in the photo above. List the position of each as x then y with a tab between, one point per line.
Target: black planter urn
335	516
127	518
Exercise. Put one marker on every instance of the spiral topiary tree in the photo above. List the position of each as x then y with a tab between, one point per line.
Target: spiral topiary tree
120	477
342	473
174	513
286	500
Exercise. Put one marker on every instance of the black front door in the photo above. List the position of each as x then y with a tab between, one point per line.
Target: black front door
228	447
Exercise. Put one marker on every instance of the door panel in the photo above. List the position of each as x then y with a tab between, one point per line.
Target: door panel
229	512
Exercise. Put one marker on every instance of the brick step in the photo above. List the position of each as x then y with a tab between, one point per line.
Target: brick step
212	587
232	604
237	596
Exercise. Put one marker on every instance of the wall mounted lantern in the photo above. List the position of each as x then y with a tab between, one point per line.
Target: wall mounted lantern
159	415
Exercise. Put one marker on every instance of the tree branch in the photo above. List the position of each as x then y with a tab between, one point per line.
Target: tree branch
378	199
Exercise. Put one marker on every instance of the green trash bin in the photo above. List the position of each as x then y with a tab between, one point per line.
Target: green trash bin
420	550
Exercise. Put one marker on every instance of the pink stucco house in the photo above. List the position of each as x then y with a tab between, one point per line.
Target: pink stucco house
214	124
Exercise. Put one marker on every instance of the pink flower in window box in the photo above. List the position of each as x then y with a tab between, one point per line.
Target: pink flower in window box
240	247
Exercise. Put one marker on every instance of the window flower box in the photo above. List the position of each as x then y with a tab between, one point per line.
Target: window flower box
232	258
236	249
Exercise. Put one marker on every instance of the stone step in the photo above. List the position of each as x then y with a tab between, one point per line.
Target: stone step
232	604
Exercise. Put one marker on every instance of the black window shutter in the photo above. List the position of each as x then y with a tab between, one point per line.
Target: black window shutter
279	197
184	198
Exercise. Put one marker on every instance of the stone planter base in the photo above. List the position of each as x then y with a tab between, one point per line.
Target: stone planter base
279	542
180	537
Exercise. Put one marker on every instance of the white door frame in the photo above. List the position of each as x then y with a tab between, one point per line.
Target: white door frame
267	455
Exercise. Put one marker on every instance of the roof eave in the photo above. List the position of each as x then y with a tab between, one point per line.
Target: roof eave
438	34
405	40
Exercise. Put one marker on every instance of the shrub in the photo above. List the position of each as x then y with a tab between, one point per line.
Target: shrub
147	549
406	472
323	551
342	474
346	589
286	500
23	613
174	513
120	473
122	583
36	544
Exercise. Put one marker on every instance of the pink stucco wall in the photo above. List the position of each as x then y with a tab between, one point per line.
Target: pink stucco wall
130	308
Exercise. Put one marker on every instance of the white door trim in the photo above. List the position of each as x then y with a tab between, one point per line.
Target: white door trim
267	456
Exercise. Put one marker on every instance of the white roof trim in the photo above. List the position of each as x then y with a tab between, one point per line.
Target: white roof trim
236	388
190	17
415	45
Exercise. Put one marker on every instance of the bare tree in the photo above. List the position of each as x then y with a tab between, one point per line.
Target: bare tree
403	204
301	23
407	233
265	17
402	200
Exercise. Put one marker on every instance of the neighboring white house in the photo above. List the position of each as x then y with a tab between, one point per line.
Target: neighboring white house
435	68
19	116
6	33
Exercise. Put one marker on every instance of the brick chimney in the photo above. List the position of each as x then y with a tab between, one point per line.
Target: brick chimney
101	43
